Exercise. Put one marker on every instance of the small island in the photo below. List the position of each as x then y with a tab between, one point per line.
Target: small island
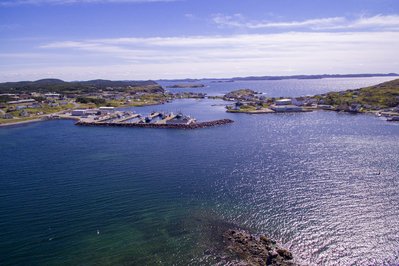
185	86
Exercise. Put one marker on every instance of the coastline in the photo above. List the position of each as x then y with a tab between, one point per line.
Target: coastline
57	116
22	122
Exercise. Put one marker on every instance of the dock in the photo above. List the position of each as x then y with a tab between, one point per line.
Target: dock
127	118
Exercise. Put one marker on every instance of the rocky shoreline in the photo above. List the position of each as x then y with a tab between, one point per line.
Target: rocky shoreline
245	249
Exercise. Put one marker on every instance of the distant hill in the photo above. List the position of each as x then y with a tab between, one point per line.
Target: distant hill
57	85
384	95
317	76
287	77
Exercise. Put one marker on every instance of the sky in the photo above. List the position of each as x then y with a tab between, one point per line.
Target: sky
170	39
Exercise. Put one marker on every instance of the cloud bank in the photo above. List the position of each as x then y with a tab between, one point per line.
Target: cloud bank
377	22
210	56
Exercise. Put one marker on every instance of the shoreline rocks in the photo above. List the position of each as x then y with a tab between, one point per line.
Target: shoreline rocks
247	249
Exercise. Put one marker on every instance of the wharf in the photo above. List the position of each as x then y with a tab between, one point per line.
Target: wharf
127	118
167	118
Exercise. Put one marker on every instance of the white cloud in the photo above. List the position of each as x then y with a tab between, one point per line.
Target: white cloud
378	22
239	21
65	2
386	22
209	56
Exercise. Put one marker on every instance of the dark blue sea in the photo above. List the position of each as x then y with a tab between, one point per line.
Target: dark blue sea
323	184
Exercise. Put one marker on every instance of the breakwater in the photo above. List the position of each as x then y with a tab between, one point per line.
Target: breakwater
195	125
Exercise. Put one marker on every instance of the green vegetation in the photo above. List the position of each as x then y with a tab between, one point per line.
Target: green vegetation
246	108
384	95
96	101
240	94
184	85
33	113
60	86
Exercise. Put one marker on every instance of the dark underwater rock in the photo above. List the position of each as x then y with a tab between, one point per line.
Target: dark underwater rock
247	249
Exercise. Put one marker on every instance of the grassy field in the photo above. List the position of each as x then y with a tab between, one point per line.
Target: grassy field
34	113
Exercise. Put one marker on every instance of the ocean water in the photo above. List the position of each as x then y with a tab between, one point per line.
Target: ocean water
323	184
281	88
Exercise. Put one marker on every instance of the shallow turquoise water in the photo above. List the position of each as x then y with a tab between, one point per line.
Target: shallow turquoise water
324	184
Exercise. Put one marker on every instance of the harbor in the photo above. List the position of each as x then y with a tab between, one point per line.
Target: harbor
108	116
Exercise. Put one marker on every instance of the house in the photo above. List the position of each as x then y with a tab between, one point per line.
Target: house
9	96
284	102
8	116
300	101
78	112
92	112
106	109
22	101
52	95
20	107
24	113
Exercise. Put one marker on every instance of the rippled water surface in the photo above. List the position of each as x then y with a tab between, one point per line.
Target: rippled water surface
324	184
280	88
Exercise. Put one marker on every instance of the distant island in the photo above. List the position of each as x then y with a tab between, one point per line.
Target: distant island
322	76
60	86
185	85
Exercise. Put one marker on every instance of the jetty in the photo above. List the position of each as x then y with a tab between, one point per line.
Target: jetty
194	125
113	118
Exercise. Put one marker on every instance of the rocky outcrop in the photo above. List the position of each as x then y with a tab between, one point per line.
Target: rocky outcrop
247	249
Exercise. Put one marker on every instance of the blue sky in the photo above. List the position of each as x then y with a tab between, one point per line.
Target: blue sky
152	39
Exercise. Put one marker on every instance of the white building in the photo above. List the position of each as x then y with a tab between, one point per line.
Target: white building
22	101
52	95
284	102
78	112
106	109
